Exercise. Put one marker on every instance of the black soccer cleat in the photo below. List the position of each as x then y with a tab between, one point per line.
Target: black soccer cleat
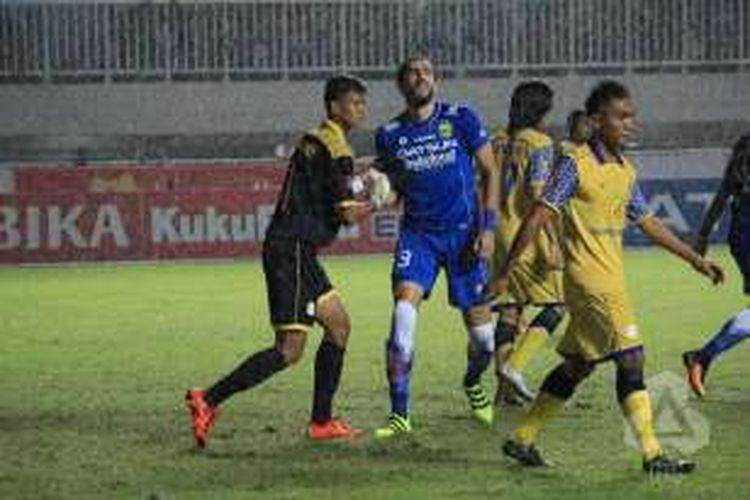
664	465
528	456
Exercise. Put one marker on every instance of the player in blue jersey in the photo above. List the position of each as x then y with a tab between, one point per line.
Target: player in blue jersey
429	153
734	185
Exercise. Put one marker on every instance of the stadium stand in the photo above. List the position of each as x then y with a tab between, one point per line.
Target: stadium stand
109	43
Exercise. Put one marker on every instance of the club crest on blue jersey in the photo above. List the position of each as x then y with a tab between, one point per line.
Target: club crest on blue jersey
445	129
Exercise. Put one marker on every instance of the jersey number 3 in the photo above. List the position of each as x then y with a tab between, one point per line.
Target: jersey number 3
403	259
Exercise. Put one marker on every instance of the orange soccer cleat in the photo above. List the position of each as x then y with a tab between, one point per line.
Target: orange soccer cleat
696	373
333	429
202	414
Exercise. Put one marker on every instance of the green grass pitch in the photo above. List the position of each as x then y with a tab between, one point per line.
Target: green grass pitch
94	360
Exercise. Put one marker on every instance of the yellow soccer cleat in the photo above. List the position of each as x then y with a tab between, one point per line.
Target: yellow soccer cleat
397	426
481	406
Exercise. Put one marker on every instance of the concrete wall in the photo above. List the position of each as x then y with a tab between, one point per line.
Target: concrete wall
248	107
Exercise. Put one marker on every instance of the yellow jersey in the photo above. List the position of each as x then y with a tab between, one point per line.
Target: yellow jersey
566	146
596	198
525	161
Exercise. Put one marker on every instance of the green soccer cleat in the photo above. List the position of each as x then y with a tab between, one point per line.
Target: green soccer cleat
481	406
397	426
526	455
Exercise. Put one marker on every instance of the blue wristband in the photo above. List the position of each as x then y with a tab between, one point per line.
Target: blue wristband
489	220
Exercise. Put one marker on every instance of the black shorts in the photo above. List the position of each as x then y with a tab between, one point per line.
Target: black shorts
295	281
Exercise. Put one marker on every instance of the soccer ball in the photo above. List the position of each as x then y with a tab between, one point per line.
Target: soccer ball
378	187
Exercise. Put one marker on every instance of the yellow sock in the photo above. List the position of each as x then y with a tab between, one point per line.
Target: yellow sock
527	344
637	409
544	407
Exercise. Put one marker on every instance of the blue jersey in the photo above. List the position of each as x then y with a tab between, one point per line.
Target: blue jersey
431	166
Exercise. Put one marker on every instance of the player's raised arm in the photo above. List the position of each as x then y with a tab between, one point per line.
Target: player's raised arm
660	234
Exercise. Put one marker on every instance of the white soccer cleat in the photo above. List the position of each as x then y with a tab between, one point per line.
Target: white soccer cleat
518	382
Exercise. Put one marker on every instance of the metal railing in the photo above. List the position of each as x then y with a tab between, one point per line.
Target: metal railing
59	39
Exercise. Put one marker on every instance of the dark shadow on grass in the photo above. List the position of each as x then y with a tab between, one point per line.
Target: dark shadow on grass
43	420
404	450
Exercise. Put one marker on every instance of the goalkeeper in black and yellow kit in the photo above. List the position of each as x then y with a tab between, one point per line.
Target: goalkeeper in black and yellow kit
315	200
593	191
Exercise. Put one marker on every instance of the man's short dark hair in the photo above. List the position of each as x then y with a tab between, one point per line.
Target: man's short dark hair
528	105
339	86
573	118
605	92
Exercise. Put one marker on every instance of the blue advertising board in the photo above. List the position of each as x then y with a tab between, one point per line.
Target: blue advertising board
681	205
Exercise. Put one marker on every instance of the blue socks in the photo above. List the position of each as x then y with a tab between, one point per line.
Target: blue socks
734	331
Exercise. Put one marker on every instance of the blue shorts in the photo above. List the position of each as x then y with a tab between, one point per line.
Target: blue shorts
739	244
419	256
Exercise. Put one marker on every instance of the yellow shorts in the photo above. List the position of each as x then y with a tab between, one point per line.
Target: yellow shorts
600	325
530	284
533	278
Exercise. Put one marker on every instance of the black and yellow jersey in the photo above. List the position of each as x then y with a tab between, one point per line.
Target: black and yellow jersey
317	182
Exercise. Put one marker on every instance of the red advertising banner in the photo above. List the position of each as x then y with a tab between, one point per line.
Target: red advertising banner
263	176
154	212
67	227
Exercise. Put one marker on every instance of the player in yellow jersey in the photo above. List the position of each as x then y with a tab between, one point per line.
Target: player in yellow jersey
577	131
526	153
593	190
